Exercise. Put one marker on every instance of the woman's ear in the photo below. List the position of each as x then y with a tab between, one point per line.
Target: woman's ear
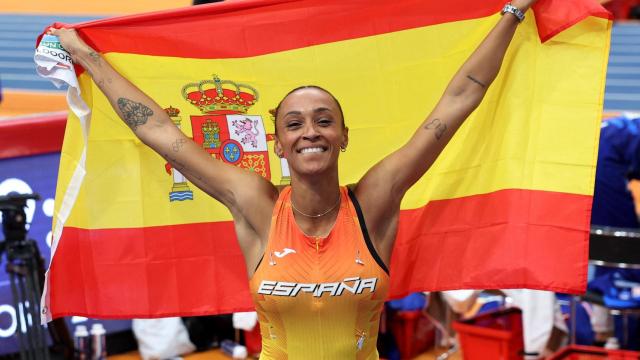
277	147
345	137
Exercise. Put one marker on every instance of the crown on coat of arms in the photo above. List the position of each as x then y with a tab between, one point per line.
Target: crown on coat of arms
171	111
220	96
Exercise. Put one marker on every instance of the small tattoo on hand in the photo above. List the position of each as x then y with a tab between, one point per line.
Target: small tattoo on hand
438	126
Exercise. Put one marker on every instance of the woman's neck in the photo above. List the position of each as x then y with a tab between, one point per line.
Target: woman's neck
315	202
313	195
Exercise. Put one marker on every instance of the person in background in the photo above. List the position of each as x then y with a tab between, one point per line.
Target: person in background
613	205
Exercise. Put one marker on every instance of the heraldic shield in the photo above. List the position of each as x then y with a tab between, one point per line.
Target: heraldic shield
224	129
235	139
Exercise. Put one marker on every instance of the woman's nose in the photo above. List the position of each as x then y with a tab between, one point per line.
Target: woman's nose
310	132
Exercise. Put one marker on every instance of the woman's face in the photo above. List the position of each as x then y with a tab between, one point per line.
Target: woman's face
310	132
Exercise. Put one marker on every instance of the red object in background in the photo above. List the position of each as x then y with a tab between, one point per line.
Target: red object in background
621	8
492	335
578	352
413	331
253	340
32	135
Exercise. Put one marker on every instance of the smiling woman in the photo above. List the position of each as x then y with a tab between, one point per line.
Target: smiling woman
316	252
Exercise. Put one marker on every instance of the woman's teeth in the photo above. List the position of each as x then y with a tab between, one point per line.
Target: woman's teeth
311	150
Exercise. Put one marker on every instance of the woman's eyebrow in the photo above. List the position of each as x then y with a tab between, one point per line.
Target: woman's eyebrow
293	112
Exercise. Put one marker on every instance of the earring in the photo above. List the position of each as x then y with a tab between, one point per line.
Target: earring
343	148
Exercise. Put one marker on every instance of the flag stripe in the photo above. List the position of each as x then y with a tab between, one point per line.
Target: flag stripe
139	267
532	239
250	28
156	269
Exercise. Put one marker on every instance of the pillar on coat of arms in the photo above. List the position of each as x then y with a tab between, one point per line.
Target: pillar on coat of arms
180	190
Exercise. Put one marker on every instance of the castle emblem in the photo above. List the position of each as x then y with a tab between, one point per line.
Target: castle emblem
225	129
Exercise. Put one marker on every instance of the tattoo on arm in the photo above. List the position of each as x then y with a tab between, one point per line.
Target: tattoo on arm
134	113
178	144
476	81
95	57
177	165
439	127
101	82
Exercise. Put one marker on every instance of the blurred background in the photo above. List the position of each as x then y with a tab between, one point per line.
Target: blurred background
31	102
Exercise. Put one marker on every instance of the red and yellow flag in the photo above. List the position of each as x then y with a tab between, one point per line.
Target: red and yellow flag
507	205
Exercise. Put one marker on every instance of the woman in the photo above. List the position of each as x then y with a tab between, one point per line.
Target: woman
316	253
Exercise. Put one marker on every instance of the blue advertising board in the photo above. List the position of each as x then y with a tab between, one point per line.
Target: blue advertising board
33	174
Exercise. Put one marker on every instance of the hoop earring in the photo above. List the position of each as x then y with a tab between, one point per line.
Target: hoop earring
343	149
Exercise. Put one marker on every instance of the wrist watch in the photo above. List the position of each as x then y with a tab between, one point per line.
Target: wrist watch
513	10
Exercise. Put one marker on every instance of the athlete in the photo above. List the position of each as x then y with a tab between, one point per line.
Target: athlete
316	253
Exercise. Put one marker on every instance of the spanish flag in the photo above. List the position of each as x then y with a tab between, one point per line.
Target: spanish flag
506	205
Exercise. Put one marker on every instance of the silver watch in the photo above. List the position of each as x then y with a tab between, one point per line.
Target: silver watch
513	10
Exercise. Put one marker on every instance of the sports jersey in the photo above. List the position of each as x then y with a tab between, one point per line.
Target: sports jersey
319	298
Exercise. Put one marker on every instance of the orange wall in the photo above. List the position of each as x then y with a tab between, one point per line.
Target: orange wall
88	7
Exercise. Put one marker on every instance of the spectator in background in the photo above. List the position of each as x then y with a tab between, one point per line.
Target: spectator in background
613	205
618	161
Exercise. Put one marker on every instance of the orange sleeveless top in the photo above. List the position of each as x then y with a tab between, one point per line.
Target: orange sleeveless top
319	298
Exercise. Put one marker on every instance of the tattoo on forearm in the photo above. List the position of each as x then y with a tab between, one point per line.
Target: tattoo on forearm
101	82
174	162
178	144
134	113
438	126
476	81
95	57
181	167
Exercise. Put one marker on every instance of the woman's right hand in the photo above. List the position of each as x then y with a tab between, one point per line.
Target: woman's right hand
70	41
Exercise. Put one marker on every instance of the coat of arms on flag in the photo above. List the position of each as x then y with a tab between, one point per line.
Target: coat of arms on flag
224	129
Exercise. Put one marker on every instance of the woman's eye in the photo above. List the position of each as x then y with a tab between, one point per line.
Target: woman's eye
293	124
324	122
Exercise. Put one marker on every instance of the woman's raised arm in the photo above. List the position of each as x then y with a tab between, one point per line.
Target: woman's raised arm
226	183
383	187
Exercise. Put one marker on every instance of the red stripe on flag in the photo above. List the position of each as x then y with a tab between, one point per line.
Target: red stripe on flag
258	27
506	239
149	272
538	238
